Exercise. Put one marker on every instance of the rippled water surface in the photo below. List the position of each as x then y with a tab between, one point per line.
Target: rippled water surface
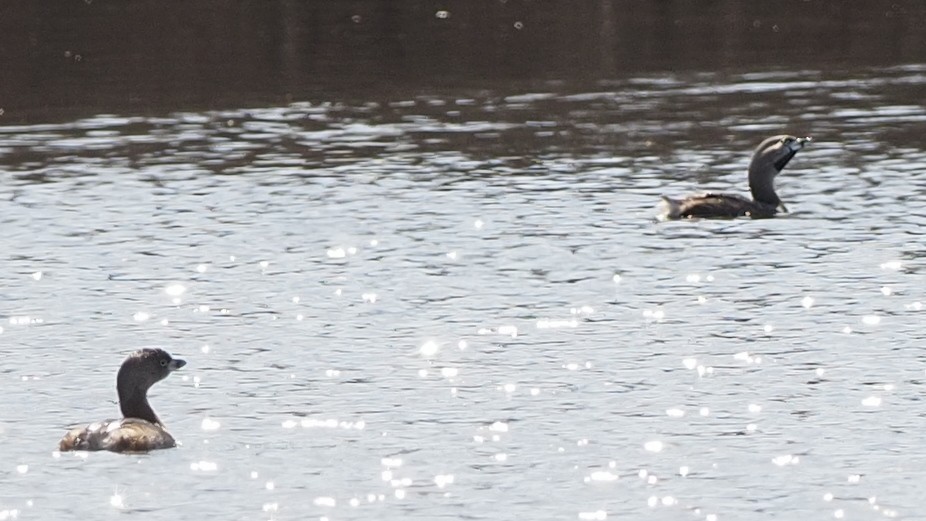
460	305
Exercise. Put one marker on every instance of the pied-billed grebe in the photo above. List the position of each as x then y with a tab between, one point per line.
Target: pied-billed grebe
768	161
139	430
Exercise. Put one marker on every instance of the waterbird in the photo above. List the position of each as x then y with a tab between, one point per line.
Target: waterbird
768	161
140	429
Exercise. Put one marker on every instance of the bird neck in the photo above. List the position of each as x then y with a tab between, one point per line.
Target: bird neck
762	185
134	404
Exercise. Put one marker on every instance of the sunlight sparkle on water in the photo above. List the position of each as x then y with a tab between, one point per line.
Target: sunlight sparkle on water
429	349
872	401
141	316
117	501
508	330
25	321
202	268
37	276
175	290
499	427
603	476
204	466
893	265
400	483
597	515
786	459
391	462
871	320
655	315
807	302
208	424
653	446
326	423
582	310
550	323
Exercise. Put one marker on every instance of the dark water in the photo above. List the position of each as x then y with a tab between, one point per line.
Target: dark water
412	261
74	59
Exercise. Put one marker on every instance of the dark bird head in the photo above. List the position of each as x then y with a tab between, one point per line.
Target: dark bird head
138	373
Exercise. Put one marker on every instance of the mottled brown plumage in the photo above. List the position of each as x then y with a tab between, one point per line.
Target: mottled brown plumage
140	430
768	161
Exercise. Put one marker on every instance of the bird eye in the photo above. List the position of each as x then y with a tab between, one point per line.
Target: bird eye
163	363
